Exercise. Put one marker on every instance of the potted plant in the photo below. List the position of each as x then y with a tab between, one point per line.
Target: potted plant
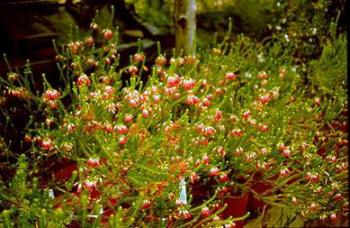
189	146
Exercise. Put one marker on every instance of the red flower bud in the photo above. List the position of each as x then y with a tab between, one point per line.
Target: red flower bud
51	94
93	162
214	172
230	76
146	204
107	34
83	80
223	178
205	212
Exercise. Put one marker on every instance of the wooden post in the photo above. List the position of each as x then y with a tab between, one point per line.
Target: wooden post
185	26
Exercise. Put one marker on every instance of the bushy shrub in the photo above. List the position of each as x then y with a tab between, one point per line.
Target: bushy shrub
116	150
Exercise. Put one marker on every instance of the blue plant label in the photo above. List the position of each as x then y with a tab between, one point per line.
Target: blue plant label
183	194
51	194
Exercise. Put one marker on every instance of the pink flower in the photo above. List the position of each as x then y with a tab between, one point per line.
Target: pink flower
83	80
214	172
123	140
51	94
156	99
146	204
93	95
170	91
221	151
74	47
286	152
133	103
52	104
284	172
218	116
185	214
206	102
208	131
331	158
188	84
338	197
122	129
252	122
334	217
128	118
246	115
133	70
230	225
112	108
265	99
312	177
236	133
93	162
263	128
263	151
205	212
204	83
250	156
262	166
223	178
219	91
281	146
230	76
107	34
313	206
91	186
145	113
205	159
209	97
161	60
173	81
192	100
194	177
71	127
263	75
139	57
47	144
108	91
238	151
108	128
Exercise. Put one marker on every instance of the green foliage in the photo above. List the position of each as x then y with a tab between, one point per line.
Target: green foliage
156	12
25	204
237	114
328	73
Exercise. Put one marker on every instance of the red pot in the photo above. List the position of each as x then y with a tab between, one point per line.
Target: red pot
64	172
73	224
107	212
201	191
237	206
60	170
260	187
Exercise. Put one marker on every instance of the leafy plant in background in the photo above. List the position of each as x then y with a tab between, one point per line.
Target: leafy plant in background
305	28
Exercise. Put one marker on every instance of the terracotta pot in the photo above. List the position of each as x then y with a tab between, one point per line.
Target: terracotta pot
60	170
260	187
64	172
237	206
73	224
107	212
201	191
